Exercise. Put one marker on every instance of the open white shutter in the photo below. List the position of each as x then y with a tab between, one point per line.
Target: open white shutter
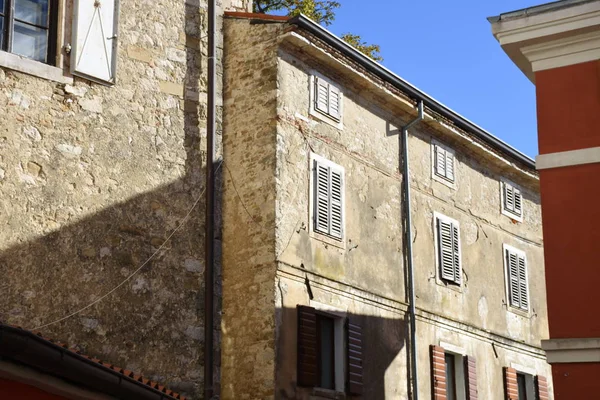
440	161
456	253
334	102
450	166
94	51
321	95
518	198
509	198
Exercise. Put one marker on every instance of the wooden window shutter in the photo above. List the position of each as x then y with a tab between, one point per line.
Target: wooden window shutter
321	95
307	346
509	201
94	52
470	378
511	389
354	353
518	201
523	289
541	388
449	250
438	373
329	199
322	199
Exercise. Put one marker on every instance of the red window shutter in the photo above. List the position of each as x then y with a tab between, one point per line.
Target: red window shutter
511	389
541	388
307	346
470	378
438	373
355	358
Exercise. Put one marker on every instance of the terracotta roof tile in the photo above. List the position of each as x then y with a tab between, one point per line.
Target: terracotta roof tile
124	372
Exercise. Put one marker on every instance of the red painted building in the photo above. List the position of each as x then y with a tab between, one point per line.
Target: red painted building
557	46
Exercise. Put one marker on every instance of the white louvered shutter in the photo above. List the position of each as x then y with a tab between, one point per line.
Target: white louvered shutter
518	200
95	40
449	166
335	102
456	253
322	197
337	197
513	271
523	295
509	198
321	95
440	161
446	249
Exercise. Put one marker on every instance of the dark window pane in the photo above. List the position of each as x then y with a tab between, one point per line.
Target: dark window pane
450	377
1	32
326	353
32	11
30	41
1	6
521	384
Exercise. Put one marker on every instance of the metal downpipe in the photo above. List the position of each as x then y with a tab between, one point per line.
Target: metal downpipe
209	207
409	255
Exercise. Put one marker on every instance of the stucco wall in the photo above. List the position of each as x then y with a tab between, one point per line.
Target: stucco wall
93	179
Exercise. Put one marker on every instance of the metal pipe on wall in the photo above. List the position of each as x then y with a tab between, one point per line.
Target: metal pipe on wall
209	206
409	253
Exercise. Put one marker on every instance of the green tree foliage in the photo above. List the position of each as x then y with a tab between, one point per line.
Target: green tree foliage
320	11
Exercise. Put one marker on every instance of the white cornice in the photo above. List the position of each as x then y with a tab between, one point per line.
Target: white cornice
584	350
568	158
563	52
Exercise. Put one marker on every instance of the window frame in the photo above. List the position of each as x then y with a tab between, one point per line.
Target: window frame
507	278
504	184
321	115
314	232
438	265
52	31
434	175
529	374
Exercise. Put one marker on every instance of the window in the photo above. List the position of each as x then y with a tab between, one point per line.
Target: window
515	265
330	351
326	99
443	164
512	201
328	197
520	385
448	249
28	28
454	375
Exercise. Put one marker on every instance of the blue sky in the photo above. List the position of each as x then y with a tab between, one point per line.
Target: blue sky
446	49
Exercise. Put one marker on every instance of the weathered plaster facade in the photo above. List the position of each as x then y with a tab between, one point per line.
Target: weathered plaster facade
274	262
94	179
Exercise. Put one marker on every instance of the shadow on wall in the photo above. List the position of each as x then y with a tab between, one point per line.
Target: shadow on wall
153	324
383	339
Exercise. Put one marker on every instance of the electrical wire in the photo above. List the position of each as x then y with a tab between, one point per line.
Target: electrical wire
93	303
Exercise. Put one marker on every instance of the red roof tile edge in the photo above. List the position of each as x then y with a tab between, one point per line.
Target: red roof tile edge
129	375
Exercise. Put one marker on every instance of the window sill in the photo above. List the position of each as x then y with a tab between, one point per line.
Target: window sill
319	393
512	216
34	68
444	181
330	240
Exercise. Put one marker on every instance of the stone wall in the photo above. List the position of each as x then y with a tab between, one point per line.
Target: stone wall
249	145
94	179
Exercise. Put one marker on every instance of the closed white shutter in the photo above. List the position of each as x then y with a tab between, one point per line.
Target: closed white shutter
95	40
329	199
334	102
456	253
446	249
512	261
337	195
448	239
440	161
518	201
450	166
321	95
523	289
322	198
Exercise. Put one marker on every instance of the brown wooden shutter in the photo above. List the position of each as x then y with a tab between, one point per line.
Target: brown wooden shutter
470	378
541	388
438	373
355	358
307	346
511	389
